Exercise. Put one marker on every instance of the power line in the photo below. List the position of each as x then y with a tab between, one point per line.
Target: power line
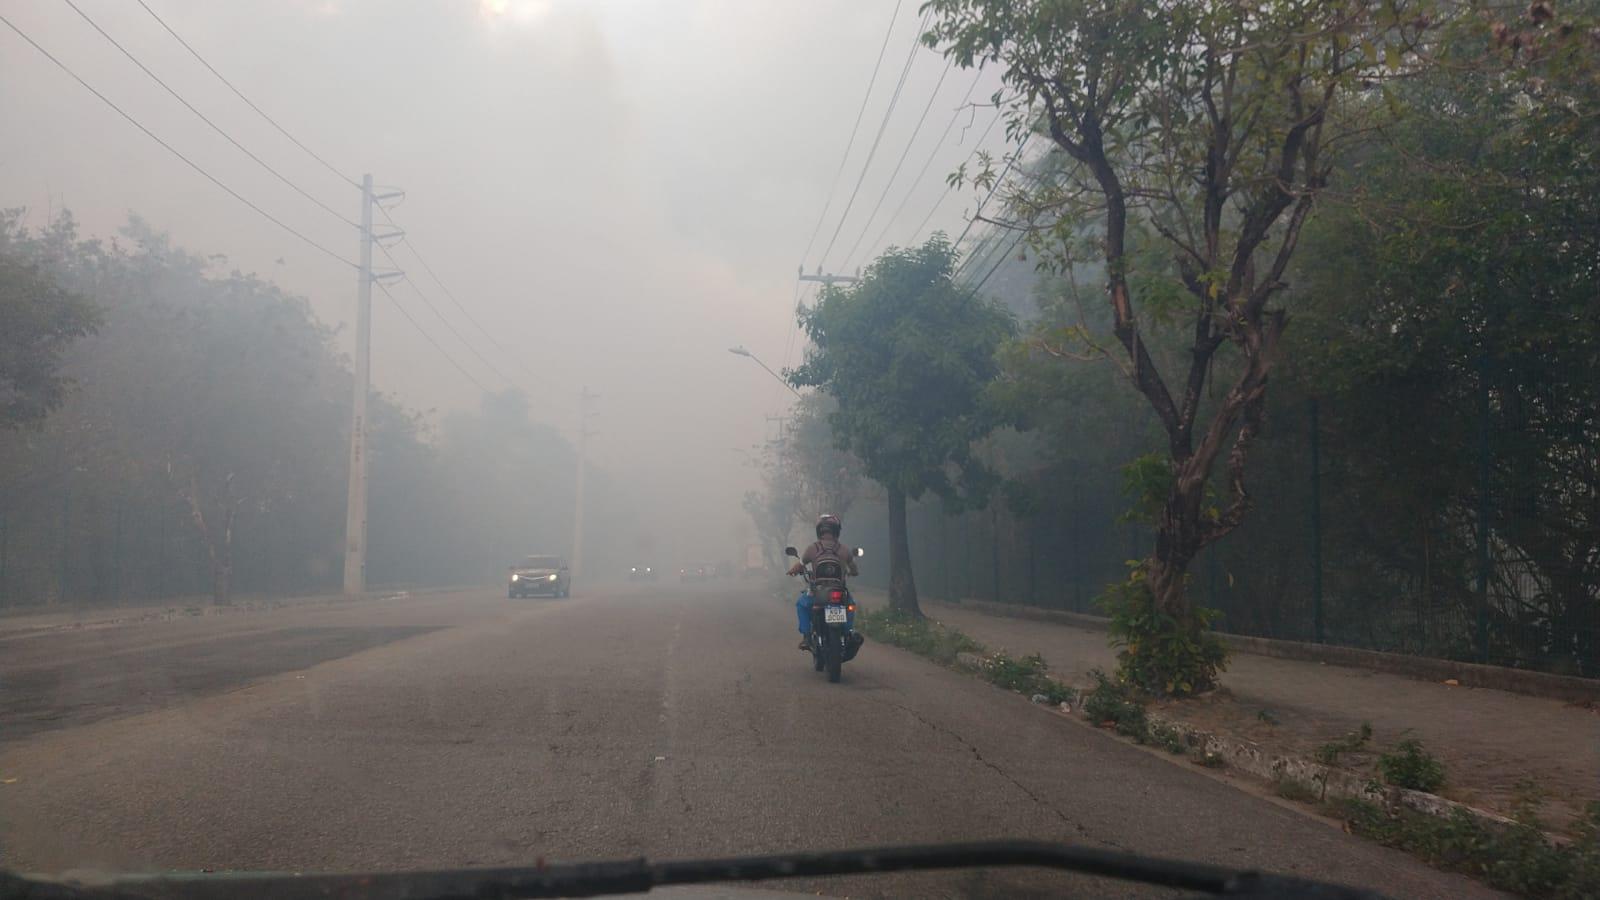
448	358
170	149
992	238
435	310
873	216
994	187
997	263
871	82
937	145
940	202
240	94
214	126
449	294
894	99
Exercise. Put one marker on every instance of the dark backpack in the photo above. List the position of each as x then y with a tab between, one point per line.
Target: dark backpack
828	564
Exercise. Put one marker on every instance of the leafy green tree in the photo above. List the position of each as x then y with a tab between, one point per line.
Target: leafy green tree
910	358
827	478
1196	138
1451	320
38	320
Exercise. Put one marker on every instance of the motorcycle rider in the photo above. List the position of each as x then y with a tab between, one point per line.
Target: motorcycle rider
827	545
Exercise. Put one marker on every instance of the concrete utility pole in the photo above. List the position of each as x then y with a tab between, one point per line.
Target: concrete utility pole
585	411
355	521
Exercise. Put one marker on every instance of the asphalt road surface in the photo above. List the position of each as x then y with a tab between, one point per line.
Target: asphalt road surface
466	729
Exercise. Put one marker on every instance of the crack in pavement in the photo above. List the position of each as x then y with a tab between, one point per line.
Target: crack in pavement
995	767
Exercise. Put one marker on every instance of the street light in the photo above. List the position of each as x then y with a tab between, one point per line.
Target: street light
741	351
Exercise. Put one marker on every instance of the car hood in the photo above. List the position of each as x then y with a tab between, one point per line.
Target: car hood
538	573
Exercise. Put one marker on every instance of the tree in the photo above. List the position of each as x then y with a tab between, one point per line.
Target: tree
38	320
910	358
1452	297
827	478
1196	138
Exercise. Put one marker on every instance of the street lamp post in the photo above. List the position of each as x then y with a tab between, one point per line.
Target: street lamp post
741	351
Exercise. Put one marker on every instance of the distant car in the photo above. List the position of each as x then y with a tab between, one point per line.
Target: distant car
690	574
642	573
536	575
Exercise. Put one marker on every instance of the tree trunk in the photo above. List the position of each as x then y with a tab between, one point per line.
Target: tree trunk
902	586
1177	544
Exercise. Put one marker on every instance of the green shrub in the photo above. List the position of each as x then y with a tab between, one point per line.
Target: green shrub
1159	653
1328	754
1298	791
1025	676
1168	738
1410	766
1112	702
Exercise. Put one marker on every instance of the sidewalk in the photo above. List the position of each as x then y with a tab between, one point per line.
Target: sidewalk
1488	740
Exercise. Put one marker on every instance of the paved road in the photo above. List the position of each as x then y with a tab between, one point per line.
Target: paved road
468	730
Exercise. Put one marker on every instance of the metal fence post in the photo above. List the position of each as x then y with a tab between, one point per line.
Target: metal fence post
1483	509
1316	524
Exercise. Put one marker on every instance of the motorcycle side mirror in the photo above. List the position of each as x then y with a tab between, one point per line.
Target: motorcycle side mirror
790	551
860	552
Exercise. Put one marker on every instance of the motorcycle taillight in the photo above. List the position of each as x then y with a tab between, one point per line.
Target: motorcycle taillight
836	596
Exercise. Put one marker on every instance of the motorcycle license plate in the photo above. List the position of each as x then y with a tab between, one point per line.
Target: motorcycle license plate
835	615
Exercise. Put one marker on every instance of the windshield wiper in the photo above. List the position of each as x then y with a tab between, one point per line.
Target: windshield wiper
640	875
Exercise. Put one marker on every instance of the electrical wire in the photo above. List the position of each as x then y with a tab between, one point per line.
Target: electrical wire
947	188
405	240
994	187
877	139
170	149
854	129
447	323
202	116
937	145
887	185
247	102
424	332
997	263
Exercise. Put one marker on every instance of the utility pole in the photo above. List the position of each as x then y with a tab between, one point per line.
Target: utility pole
585	411
782	423
829	278
355	522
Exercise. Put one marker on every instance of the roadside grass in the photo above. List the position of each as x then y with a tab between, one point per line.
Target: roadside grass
919	635
1026	675
1518	858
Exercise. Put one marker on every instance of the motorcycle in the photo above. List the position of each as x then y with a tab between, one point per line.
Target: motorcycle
834	640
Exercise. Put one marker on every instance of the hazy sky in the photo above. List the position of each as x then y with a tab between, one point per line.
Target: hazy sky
619	191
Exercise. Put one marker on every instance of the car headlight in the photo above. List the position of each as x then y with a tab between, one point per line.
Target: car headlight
516	578
648	570
634	569
551	578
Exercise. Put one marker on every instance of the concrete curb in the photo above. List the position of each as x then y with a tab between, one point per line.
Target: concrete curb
1567	688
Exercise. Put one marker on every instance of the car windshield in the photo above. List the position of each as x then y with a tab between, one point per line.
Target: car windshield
1213	386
